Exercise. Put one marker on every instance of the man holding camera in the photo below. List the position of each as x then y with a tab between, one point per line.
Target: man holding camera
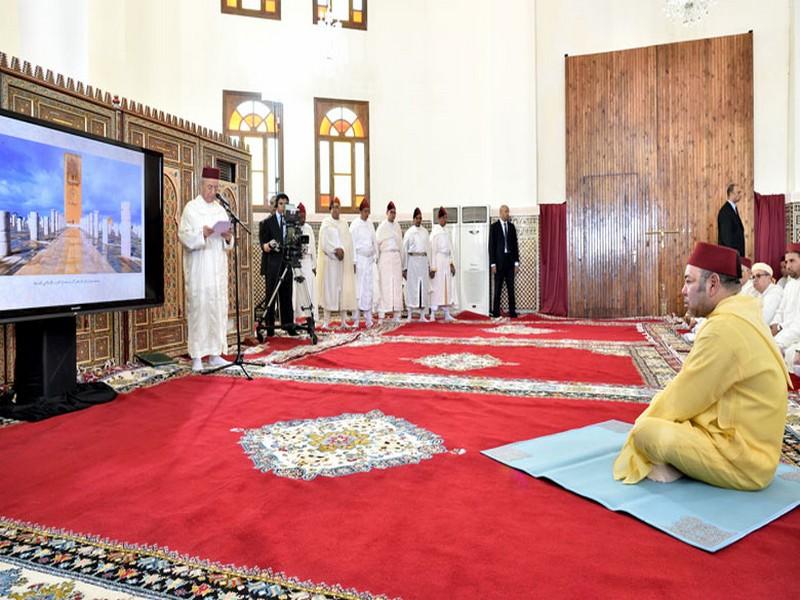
271	236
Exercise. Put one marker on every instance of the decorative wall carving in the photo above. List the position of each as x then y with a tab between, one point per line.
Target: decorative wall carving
119	336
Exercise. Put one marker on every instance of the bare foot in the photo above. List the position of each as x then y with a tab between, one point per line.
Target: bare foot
664	473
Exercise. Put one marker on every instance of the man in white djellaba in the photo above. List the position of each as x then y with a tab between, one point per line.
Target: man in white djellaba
365	247
416	267
443	287
390	265
308	266
336	286
206	237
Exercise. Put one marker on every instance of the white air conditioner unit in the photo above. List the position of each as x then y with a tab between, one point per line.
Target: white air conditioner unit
473	259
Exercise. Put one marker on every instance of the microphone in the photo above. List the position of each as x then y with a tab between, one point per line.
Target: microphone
221	199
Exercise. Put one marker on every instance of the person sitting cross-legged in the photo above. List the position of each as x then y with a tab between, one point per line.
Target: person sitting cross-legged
721	419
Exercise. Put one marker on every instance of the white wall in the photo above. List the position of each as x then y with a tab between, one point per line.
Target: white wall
587	26
466	100
450	85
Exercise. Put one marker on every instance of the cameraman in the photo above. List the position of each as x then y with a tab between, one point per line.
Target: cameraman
271	236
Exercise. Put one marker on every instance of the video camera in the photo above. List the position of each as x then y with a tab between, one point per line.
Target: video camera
295	239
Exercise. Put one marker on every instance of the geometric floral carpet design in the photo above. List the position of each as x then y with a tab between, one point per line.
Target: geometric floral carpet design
38	563
461	361
517	330
340	445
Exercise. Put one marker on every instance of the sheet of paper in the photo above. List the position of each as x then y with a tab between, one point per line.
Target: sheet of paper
221	227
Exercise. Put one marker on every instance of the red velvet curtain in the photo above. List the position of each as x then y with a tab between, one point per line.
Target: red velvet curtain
553	259
770	234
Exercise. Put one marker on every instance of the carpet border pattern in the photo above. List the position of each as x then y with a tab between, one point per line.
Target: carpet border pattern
151	571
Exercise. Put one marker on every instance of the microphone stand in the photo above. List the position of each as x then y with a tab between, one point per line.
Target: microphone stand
239	360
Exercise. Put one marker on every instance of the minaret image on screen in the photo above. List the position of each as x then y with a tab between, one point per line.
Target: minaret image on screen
97	232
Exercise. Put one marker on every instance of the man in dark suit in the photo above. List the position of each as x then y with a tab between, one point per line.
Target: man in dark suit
730	231
503	260
271	235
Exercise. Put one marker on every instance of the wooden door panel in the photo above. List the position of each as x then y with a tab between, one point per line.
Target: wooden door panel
680	118
611	158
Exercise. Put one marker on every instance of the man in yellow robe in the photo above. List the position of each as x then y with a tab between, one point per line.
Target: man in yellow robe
721	419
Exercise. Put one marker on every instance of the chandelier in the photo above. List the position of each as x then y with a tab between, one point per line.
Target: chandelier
687	12
329	28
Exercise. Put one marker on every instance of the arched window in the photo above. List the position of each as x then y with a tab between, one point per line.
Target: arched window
350	13
257	123
342	152
267	9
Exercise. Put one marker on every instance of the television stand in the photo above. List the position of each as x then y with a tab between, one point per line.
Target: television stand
46	373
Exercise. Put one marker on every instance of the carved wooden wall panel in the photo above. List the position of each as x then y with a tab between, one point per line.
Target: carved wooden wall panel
117	337
163	329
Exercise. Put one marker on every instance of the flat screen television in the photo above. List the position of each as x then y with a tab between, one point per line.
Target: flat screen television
81	222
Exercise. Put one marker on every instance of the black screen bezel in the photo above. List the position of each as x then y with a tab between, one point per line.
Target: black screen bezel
153	228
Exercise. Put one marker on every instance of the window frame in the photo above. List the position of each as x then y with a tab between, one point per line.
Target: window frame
262	13
349	24
361	109
232	99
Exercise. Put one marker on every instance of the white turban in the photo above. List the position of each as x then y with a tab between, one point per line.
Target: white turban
760	266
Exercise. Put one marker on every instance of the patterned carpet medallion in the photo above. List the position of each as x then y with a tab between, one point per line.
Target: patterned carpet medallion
336	446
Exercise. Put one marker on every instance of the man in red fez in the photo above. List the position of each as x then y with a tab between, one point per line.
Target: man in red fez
443	286
721	419
206	237
365	248
416	267
390	265
747	277
335	282
304	293
785	324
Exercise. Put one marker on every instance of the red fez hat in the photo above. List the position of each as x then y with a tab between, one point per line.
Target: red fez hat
335	202
717	259
442	212
417	211
364	204
301	208
746	262
210	173
793	248
390	206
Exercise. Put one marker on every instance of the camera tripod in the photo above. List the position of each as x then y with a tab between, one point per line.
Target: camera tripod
308	326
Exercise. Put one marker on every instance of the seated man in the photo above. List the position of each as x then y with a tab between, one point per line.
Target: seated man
769	293
721	419
785	325
784	275
747	278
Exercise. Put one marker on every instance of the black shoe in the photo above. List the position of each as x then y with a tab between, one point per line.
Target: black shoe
494	315
513	315
292	331
270	333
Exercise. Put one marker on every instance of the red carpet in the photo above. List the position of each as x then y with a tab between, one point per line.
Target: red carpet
161	466
559	331
551	364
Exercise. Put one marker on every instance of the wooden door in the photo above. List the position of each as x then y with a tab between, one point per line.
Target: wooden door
705	141
611	159
654	136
